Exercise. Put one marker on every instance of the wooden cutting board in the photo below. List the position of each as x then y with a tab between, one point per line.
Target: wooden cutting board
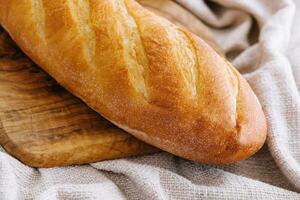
43	125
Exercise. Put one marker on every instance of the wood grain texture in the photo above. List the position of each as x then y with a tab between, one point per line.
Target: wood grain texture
43	125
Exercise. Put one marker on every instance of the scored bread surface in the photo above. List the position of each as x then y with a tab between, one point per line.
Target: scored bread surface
156	80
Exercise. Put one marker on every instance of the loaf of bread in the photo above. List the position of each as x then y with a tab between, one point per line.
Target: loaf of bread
151	78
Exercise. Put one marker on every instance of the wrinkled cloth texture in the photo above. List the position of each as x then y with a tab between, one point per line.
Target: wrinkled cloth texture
262	39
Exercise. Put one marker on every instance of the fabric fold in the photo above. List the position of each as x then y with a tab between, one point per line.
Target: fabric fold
261	37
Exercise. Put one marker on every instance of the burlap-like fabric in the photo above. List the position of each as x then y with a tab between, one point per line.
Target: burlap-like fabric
262	38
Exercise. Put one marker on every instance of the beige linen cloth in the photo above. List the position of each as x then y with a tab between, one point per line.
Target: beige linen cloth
262	38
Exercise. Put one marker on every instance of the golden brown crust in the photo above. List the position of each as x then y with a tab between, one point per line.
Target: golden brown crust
154	79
